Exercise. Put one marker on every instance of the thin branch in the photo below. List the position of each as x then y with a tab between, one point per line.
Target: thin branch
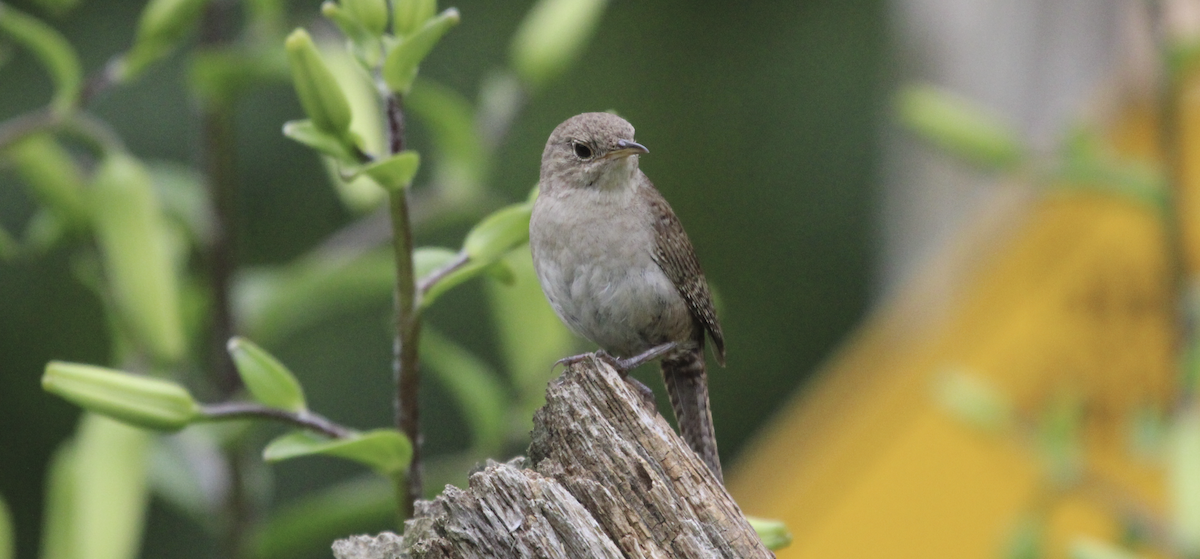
439	274
408	323
305	420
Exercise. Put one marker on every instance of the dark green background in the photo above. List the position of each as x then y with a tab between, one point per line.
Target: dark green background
762	122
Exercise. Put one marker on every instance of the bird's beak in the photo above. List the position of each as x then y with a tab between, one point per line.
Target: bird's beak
625	148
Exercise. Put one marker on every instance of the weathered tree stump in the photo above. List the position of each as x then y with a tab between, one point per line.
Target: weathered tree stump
606	477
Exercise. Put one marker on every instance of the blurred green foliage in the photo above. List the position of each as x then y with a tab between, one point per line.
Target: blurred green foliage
769	163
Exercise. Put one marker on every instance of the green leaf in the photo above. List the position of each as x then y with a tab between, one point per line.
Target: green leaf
163	24
58	518
773	533
182	191
476	389
142	401
1091	548
318	89
1183	480
430	260
394	173
386	451
52	49
110	488
496	234
960	127
973	399
400	65
411	15
51	174
461	160
275	303
552	37
305	526
305	132
135	242
8	541
268	380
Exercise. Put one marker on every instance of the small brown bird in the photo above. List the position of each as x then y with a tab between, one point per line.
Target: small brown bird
618	268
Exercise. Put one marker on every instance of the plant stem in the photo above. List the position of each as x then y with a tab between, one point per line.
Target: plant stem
222	190
439	274
305	419
408	323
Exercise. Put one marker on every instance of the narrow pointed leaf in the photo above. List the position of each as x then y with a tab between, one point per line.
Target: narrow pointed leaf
499	233
52	49
305	132
400	66
386	451
394	173
268	380
960	127
142	401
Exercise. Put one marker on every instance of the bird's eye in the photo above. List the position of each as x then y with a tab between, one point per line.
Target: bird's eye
582	151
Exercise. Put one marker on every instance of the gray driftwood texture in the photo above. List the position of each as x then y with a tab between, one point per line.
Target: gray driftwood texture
606	477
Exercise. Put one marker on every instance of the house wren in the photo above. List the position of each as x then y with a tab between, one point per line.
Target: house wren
618	268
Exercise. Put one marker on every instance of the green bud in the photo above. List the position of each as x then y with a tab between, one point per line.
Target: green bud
319	93
372	14
498	233
162	25
268	380
411	15
552	36
52	49
394	173
400	66
142	401
773	533
135	244
365	43
960	127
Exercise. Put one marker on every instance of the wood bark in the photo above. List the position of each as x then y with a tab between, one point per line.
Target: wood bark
606	477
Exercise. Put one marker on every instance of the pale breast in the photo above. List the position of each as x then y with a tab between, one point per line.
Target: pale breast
592	253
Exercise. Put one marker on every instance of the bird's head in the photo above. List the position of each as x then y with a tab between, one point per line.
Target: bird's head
591	150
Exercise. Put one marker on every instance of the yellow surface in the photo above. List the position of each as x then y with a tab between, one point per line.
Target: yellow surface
1069	297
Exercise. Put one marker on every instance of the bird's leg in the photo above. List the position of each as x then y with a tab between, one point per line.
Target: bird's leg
624	366
630	363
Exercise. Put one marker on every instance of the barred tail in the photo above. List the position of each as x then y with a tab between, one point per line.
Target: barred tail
687	385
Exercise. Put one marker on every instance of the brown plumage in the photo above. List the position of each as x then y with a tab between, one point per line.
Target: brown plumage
619	269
